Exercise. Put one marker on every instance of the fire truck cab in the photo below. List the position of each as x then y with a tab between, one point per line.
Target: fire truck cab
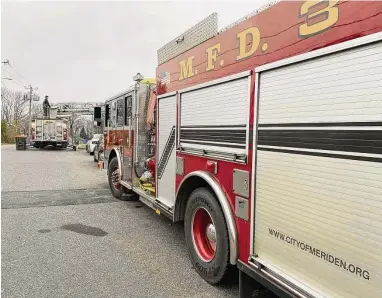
265	138
128	120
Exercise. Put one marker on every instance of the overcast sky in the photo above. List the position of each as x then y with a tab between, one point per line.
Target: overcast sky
88	51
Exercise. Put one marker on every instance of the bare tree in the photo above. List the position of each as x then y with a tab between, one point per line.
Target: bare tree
37	109
89	125
14	109
13	105
77	125
7	105
82	122
72	126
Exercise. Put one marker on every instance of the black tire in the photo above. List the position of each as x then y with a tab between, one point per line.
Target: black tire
218	270
120	193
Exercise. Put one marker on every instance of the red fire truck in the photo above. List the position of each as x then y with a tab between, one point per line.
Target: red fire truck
265	138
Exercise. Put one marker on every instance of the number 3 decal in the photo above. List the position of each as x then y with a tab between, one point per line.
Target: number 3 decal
319	16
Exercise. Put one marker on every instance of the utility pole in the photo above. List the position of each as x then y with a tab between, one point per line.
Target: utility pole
30	112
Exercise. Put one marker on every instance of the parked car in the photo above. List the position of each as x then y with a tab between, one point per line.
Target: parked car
92	143
98	150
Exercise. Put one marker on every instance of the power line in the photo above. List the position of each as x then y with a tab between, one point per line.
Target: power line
14	79
20	84
6	70
5	86
18	73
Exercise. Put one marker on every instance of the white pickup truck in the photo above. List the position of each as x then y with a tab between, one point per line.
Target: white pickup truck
49	132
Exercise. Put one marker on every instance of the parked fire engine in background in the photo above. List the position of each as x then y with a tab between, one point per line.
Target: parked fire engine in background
49	130
265	139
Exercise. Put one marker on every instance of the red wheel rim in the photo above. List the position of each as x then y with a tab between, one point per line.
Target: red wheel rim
204	234
115	178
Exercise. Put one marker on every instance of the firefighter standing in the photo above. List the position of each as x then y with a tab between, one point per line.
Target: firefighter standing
46	106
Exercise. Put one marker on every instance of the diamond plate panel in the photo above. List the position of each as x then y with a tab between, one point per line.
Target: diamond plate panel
194	36
201	32
179	165
250	15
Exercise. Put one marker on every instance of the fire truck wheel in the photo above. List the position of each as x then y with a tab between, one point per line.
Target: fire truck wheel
207	236
117	189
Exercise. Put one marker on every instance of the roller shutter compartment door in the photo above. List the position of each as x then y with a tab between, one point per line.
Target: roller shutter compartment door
166	150
318	214
215	117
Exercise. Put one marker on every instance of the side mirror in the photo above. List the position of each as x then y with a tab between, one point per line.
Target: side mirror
97	115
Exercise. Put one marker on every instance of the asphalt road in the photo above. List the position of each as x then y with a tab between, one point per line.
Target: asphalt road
63	235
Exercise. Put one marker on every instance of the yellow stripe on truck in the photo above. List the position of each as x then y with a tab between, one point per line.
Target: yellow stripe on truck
149	81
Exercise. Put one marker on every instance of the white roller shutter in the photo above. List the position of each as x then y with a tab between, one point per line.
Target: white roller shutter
215	117
224	104
166	149
318	192
343	87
